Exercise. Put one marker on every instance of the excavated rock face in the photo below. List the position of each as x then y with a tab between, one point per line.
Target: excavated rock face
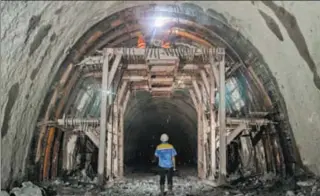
36	38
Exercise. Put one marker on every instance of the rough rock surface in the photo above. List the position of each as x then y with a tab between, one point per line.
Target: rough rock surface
36	36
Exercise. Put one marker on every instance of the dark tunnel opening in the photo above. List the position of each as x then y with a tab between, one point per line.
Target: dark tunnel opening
155	116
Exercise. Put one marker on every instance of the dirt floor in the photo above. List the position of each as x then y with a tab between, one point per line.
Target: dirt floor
142	183
187	184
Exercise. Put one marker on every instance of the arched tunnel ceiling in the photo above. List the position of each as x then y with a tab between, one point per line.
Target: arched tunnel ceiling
26	77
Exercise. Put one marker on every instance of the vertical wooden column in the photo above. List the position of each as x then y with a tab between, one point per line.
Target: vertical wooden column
204	129
212	123
103	118
115	138
121	137
109	142
120	95
222	124
200	146
121	142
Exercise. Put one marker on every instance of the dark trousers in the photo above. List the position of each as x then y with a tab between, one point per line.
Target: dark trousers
166	173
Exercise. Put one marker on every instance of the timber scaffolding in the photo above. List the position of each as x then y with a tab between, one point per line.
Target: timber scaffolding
161	71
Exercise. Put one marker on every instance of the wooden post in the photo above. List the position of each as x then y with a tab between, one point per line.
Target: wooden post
109	142
212	126
115	139
200	130
120	131
121	137
222	124
204	130
103	118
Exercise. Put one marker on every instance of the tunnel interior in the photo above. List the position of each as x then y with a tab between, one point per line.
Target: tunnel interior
250	88
156	116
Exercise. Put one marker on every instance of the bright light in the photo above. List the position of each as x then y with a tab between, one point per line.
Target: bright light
160	21
108	92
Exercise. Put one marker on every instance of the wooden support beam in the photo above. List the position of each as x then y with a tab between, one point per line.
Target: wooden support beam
236	132
249	121
205	81
92	135
222	125
200	147
161	53
193	98
204	130
103	118
109	145
161	68
114	68
126	100
162	89
120	94
115	138
197	90
137	67
135	78
121	140
190	67
213	67
161	79
212	127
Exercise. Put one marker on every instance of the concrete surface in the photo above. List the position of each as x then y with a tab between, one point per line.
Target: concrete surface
31	55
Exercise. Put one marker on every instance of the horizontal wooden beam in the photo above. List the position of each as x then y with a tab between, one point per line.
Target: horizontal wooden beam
162	53
137	67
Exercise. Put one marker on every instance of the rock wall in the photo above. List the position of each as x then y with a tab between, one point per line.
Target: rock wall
36	36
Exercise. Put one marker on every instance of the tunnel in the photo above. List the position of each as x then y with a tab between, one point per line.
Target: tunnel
156	116
272	70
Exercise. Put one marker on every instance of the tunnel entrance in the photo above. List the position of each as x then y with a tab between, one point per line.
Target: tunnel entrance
154	95
156	116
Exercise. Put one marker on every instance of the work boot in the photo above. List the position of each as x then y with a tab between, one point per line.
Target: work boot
161	190
170	191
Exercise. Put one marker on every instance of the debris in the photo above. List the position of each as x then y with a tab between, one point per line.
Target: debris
314	190
27	189
4	193
306	183
290	193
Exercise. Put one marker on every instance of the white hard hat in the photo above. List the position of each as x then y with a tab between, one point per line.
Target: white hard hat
164	137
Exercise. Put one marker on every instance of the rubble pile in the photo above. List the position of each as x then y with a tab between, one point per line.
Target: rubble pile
27	189
184	185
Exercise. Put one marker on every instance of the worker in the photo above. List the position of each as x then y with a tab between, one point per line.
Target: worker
166	153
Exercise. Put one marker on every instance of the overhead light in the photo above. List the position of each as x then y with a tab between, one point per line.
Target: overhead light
160	21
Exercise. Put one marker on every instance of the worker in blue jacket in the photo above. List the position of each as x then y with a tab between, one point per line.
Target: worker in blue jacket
166	153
